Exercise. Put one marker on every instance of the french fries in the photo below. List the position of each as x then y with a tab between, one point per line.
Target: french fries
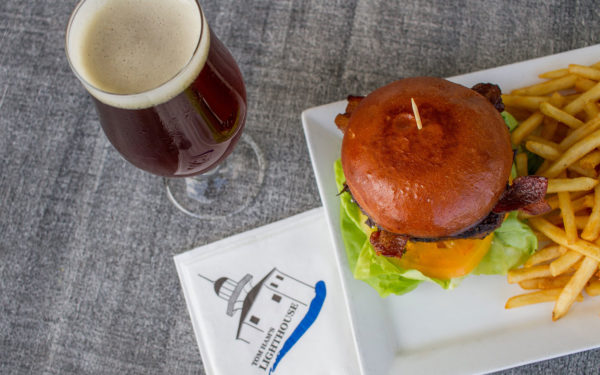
585	71
546	282
584	84
545	150
549	127
560	122
521	163
555	73
548	87
573	154
518	275
592	227
568	215
527	127
591	110
580	133
574	287
544	295
560	115
525	102
590	95
579	202
571	184
558	235
593	287
591	160
547	253
564	262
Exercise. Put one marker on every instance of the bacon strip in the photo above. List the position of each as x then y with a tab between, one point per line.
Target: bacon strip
492	93
527	193
342	119
388	244
537	208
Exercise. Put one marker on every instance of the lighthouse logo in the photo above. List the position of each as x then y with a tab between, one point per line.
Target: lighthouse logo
274	312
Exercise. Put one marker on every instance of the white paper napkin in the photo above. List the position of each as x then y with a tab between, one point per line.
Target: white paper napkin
269	301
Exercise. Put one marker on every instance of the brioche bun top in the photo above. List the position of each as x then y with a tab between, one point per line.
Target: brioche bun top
433	182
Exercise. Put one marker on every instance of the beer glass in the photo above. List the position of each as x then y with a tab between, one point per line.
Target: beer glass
170	98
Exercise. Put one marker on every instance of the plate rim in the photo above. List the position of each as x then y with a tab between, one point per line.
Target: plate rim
309	126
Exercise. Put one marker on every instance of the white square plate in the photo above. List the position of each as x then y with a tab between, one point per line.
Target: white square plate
466	330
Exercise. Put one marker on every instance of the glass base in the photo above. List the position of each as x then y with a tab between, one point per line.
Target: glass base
226	190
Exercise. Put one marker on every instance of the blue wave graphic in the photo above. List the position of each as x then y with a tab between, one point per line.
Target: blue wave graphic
311	315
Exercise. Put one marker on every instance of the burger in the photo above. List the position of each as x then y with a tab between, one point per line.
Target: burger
427	185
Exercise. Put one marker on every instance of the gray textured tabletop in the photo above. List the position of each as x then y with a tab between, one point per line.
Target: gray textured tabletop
87	279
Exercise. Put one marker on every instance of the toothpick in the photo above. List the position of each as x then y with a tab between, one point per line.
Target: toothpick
416	112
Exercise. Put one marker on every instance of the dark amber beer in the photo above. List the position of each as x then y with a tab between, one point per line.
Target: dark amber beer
172	101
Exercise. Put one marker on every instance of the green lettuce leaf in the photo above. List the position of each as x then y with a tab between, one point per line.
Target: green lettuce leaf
510	121
512	244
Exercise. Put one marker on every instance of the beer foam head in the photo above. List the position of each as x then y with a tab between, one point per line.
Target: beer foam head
137	53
